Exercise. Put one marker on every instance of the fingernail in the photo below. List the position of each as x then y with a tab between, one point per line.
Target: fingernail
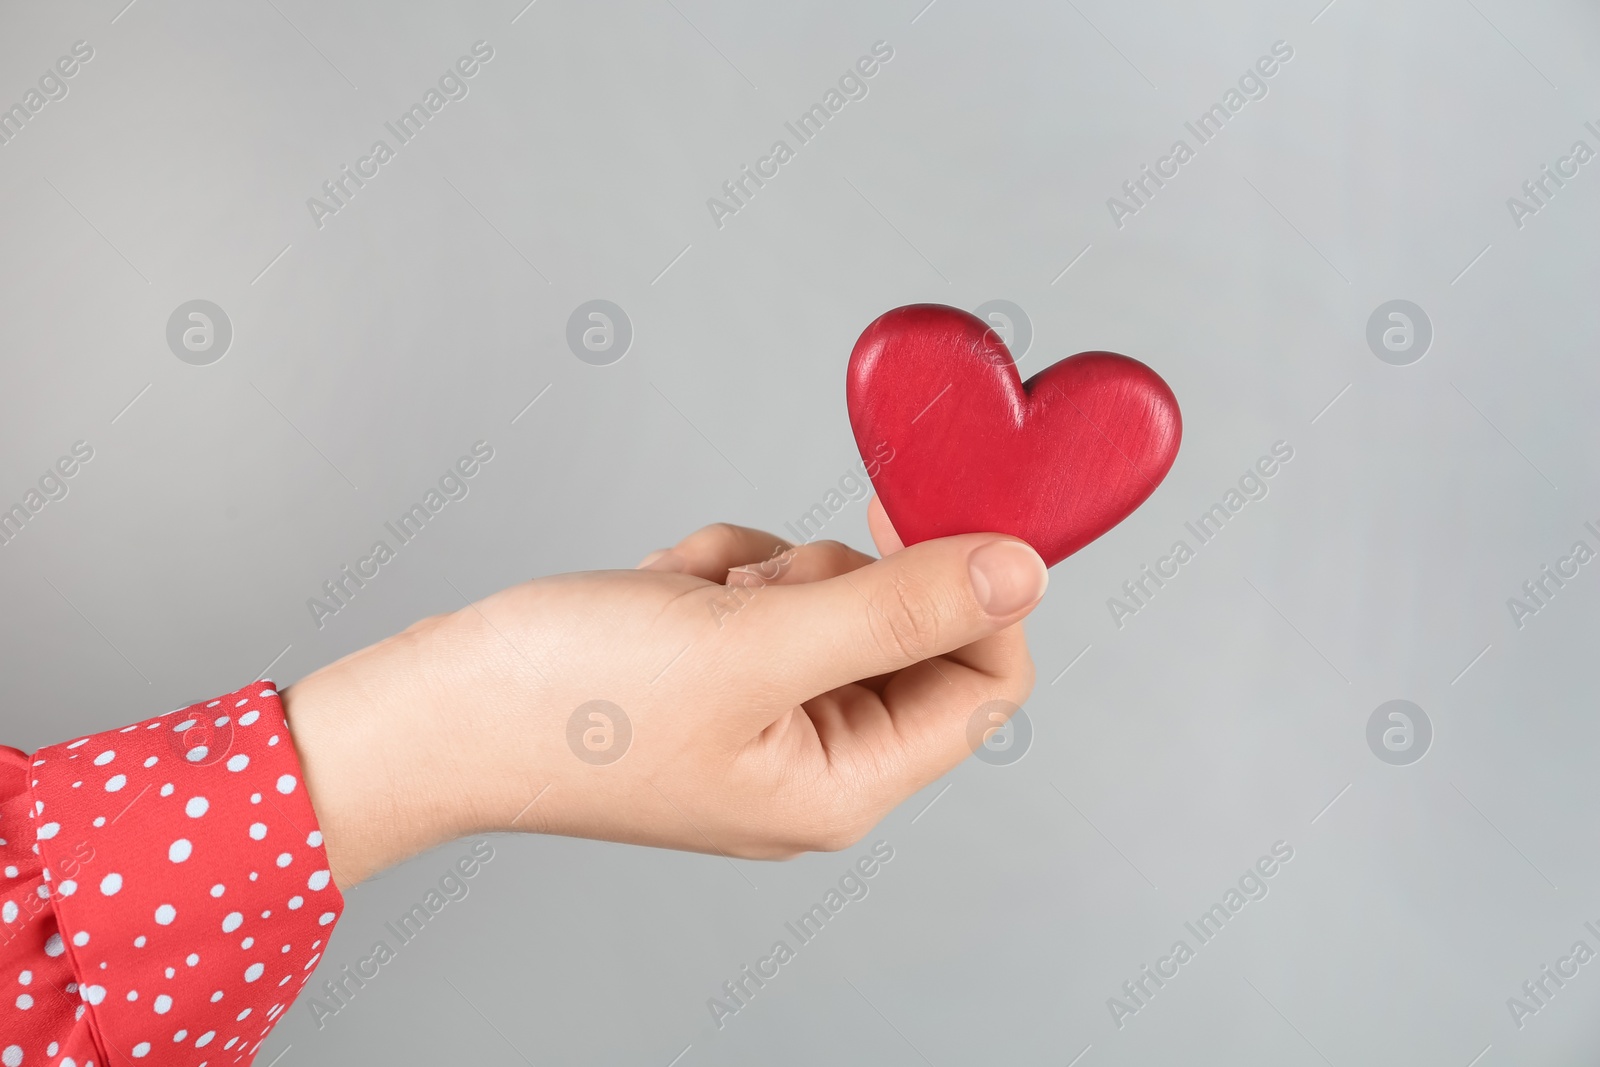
744	577
662	560
1007	576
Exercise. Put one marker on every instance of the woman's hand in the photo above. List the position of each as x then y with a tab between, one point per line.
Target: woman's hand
761	699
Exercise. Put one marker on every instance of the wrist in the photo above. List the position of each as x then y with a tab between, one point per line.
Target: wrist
370	733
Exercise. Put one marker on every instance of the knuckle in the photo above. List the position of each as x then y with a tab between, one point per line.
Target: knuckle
834	827
718	533
905	618
835	557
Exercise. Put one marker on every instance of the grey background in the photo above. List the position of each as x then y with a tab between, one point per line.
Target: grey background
1227	715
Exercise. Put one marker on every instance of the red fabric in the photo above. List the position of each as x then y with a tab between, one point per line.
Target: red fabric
164	892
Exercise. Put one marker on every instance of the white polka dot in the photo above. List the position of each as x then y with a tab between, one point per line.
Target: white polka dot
295	902
238	762
100	820
116	782
255	798
141	1050
318	880
12	1056
180	850
67	888
192	958
284	859
104	758
184	726
111	884
24	1001
233	921
25	978
196	807
248	942
165	914
152	761
54	946
133	995
162	1005
80	938
218	889
222	720
286	784
314	839
249	718
48	830
325	918
11	872
254	971
94	994
139	942
197	753
8	911
204	1039
258	830
166	790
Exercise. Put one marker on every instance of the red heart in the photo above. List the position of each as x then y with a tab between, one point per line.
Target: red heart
956	442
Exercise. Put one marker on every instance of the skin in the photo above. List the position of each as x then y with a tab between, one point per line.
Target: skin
782	699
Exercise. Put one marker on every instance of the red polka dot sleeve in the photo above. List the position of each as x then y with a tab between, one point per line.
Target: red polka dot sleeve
163	889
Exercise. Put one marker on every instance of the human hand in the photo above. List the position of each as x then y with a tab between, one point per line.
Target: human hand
781	699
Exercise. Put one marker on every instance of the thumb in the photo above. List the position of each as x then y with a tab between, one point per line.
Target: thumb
922	601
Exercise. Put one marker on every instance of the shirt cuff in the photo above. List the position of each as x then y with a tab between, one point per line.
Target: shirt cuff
188	877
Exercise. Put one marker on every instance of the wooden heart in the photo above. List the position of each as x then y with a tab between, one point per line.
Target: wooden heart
956	442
